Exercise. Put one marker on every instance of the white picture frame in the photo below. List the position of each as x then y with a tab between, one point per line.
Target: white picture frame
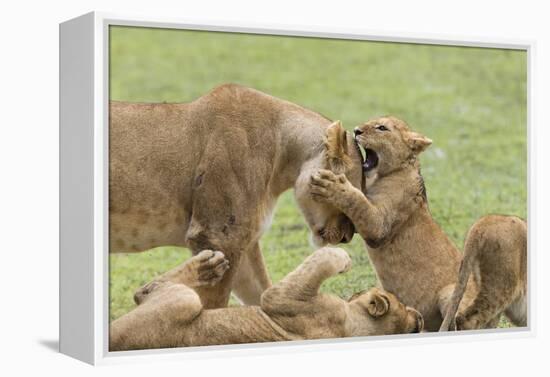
84	188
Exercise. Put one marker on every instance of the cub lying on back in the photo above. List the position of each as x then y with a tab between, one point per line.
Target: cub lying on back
170	313
412	256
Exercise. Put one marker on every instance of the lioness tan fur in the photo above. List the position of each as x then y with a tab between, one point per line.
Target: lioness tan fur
207	174
411	254
495	252
170	314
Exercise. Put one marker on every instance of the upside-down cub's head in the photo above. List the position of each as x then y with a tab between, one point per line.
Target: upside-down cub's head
380	313
388	143
340	155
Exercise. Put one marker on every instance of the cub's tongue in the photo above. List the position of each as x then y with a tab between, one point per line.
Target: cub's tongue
371	160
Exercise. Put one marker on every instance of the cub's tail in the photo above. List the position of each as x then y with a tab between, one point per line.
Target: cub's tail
471	248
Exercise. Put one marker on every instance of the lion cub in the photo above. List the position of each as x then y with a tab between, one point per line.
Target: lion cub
411	254
495	252
170	313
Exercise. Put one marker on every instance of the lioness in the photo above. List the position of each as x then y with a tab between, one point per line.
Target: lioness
170	314
411	254
207	174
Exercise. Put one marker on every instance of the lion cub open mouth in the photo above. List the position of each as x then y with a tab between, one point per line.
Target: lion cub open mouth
371	160
370	157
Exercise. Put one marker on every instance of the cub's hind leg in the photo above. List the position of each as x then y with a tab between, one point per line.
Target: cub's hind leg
166	305
493	323
204	269
295	303
468	294
517	311
301	286
492	299
499	244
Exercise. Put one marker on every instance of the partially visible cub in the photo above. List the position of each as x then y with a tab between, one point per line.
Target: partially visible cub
411	254
495	253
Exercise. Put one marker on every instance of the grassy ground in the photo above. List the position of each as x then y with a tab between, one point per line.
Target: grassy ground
471	102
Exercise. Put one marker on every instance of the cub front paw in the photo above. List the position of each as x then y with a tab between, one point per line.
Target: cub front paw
338	259
324	184
211	267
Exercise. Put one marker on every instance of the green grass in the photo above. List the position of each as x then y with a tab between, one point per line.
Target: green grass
470	101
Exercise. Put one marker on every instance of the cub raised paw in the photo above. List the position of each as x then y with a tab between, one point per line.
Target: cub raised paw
208	268
204	269
335	258
324	185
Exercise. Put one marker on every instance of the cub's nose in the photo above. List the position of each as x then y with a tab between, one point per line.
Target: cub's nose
357	131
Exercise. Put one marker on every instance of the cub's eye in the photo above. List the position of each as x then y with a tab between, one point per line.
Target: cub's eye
381	127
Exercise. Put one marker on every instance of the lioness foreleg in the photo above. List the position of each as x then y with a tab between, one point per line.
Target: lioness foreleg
221	224
252	278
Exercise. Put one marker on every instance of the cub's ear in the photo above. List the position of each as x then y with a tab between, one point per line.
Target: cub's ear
378	305
417	142
336	142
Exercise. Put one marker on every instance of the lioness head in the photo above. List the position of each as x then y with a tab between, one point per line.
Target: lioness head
388	143
377	312
340	155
